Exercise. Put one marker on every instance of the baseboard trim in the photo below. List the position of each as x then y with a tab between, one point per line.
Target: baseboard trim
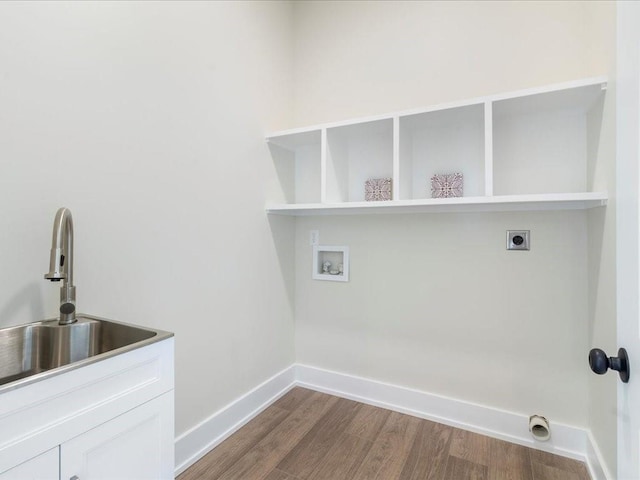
566	440
192	445
595	463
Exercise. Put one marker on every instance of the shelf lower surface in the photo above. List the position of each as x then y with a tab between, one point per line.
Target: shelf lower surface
496	203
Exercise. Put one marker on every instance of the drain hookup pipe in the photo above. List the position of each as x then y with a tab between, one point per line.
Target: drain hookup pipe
539	428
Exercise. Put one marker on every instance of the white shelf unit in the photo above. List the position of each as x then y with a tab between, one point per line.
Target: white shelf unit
525	150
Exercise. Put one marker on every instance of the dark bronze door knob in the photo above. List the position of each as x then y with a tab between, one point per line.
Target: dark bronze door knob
600	363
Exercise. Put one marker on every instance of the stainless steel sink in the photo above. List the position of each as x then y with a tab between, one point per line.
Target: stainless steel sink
35	351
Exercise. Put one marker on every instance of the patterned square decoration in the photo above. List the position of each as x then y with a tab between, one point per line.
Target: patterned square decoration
377	189
446	185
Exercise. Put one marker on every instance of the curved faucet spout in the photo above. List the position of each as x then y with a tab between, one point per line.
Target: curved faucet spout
61	264
61	261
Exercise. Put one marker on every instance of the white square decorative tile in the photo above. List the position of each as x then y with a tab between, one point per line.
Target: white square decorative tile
377	189
446	185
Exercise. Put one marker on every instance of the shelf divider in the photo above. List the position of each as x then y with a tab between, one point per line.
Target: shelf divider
488	148
323	165
395	190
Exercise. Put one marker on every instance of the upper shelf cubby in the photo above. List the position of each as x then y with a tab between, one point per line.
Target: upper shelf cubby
528	150
440	142
297	158
541	142
355	154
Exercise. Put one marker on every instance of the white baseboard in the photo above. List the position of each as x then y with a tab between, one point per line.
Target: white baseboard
199	440
593	458
566	440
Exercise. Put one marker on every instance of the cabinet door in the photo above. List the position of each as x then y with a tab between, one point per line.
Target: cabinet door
42	467
137	445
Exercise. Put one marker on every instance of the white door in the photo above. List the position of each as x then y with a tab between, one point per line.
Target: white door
628	233
42	467
137	445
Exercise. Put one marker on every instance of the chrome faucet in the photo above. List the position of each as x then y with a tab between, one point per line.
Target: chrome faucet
61	264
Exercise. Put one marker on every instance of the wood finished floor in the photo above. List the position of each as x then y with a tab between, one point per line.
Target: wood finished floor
308	435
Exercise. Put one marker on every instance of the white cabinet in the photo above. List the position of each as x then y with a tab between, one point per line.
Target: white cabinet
43	467
132	446
112	419
526	150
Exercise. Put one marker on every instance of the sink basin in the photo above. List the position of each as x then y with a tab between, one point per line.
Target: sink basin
38	350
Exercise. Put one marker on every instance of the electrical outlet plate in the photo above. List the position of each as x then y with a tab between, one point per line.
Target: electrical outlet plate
518	240
314	237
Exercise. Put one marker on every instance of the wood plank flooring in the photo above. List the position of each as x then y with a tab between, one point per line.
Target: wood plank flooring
308	435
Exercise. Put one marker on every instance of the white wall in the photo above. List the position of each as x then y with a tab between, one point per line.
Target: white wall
357	58
435	302
147	120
